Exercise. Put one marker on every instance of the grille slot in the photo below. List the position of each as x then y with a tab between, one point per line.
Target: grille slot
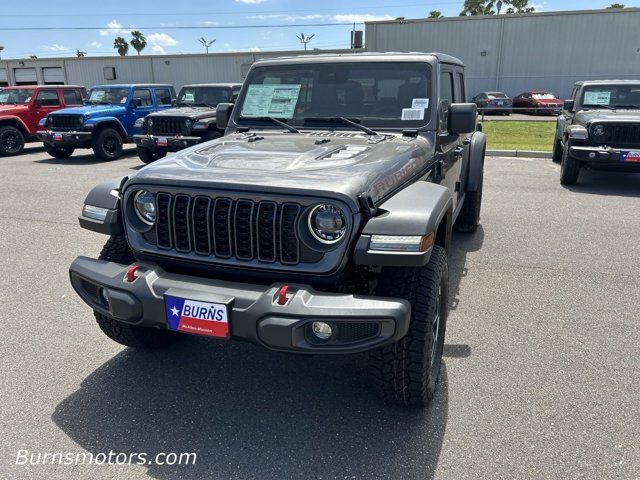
65	121
351	332
625	134
167	126
224	228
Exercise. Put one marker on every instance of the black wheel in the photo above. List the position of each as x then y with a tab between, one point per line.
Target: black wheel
107	144
407	372
569	168
557	151
11	140
117	250
469	217
58	152
149	156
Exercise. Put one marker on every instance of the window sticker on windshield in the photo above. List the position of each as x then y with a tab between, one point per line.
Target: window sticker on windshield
420	103
412	114
271	101
97	95
124	100
597	98
189	97
27	100
4	97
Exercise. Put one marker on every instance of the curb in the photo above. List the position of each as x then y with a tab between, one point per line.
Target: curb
519	154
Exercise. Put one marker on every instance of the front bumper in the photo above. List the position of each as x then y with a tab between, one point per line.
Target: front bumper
606	156
160	142
255	313
71	138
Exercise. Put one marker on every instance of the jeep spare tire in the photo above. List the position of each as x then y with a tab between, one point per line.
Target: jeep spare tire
58	152
107	144
11	140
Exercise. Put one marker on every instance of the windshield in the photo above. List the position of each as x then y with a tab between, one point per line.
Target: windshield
612	96
393	95
544	96
204	96
108	96
15	95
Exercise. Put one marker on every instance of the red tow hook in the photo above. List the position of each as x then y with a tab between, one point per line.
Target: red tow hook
282	295
132	273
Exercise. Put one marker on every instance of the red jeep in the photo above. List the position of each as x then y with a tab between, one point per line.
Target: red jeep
22	108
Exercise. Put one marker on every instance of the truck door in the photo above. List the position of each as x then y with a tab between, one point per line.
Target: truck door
47	101
462	150
448	143
140	105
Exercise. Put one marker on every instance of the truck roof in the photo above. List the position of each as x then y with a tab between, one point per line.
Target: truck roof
608	82
231	85
368	56
24	87
130	85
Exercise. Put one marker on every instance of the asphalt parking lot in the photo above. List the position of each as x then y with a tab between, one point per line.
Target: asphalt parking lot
540	377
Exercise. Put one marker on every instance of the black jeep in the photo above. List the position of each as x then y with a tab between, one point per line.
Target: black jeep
192	121
599	128
320	224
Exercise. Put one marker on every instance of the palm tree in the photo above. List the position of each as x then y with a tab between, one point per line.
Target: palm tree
616	5
435	14
121	45
519	6
477	7
138	42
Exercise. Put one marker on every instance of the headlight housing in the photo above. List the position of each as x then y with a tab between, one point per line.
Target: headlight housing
188	123
139	123
149	122
599	132
144	203
327	223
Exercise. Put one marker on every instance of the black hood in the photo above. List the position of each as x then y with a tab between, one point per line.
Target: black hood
586	117
195	113
341	165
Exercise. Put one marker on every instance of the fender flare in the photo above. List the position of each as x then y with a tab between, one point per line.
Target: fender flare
477	149
18	120
417	210
560	125
99	122
105	195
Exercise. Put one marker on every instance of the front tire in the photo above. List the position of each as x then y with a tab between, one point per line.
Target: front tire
117	250
407	372
570	167
11	141
58	152
107	144
149	156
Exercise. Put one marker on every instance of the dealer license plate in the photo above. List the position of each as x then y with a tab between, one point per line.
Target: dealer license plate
57	137
161	141
630	157
200	318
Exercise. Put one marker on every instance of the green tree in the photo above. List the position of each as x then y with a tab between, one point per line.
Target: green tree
121	45
519	6
138	42
478	7
616	5
435	14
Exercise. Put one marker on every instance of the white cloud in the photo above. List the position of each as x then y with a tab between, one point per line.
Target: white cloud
209	22
55	48
95	44
113	28
361	17
255	49
250	2
159	41
158	50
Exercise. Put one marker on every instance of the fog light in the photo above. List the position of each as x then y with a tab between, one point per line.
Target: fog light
322	330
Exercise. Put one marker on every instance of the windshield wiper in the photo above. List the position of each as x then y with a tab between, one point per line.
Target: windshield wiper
344	120
608	107
273	120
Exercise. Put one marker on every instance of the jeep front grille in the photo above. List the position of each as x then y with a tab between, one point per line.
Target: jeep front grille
223	228
65	122
622	134
168	126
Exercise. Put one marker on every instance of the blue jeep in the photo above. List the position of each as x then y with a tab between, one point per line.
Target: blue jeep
110	116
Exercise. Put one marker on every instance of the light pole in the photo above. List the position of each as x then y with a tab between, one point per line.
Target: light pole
206	44
305	40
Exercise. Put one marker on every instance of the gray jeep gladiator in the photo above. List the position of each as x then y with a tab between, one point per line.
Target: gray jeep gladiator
319	224
599	128
192	121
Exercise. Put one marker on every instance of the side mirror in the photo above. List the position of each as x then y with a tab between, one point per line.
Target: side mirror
568	105
136	102
463	118
223	113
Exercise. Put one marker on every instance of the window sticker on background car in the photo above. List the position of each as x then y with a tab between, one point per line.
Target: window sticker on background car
420	103
271	101
413	114
97	95
124	100
4	97
597	98
27	100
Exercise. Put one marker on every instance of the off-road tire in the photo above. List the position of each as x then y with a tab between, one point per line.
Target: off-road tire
107	144
469	216
557	152
58	152
11	141
404	372
569	168
117	250
149	156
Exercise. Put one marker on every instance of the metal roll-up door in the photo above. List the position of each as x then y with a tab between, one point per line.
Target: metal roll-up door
53	76
25	76
4	80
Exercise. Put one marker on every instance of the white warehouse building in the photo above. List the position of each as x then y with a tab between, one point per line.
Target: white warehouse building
510	53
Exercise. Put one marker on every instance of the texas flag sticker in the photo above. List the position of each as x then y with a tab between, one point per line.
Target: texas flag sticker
199	318
630	157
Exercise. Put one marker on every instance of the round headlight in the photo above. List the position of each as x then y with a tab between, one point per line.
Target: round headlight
188	123
599	131
327	223
144	204
149	122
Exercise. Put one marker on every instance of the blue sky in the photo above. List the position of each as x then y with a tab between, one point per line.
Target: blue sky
117	17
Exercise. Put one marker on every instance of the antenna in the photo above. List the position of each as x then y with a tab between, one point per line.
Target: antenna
305	40
206	43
